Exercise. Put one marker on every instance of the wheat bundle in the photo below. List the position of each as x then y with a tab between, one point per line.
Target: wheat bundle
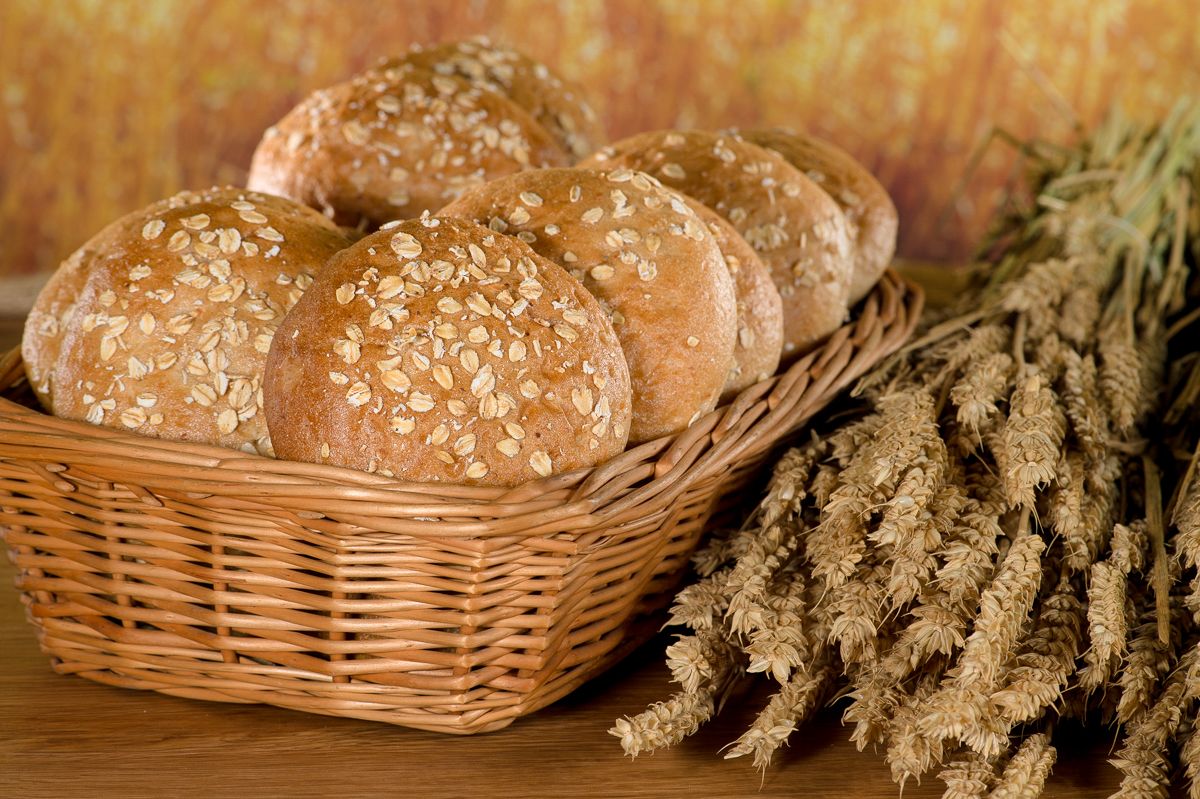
1000	535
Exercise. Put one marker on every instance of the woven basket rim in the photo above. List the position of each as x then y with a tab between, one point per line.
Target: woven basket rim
201	572
608	493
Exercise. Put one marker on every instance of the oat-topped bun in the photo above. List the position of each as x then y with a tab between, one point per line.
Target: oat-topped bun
650	261
438	350
557	104
797	230
391	143
171	328
870	212
759	309
50	317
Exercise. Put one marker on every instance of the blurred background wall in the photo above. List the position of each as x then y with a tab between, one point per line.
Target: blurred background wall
107	105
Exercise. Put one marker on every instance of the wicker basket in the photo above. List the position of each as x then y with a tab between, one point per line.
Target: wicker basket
206	573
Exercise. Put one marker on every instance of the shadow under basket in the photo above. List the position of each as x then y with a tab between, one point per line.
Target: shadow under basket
201	572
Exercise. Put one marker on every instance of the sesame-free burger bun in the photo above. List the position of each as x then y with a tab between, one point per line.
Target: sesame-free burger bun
393	142
759	345
176	308
797	230
650	261
870	213
557	104
439	350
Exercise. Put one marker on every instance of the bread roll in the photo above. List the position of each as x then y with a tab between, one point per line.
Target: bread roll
391	143
557	104
870	213
652	264
797	230
439	350
171	328
52	311
759	309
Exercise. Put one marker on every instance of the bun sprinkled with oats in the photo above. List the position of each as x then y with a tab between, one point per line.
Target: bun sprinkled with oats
175	308
759	308
794	226
439	350
870	212
393	142
557	104
652	264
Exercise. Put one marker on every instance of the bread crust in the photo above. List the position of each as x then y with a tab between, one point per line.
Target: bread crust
171	328
439	350
50	317
759	345
559	105
652	264
798	231
394	142
870	212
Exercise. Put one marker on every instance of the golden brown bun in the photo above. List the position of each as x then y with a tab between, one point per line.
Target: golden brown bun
870	212
50	317
759	307
171	329
797	230
650	262
557	104
391	143
438	350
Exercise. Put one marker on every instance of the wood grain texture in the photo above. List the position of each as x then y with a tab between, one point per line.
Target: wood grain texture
68	737
64	737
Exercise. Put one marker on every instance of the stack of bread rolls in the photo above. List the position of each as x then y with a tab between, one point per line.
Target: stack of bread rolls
439	271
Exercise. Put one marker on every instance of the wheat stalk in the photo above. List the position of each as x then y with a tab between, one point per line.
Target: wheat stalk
1000	534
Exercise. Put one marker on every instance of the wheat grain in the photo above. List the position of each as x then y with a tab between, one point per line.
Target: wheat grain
1108	626
908	426
1066	511
1149	660
667	723
969	775
787	487
701	605
979	389
746	585
1144	757
873	701
907	529
1120	376
1046	660
1026	773
786	709
1079	313
664	723
910	752
696	660
1128	546
968	555
1049	354
1004	606
856	606
1189	759
1032	438
1186	519
1081	399
958	711
779	644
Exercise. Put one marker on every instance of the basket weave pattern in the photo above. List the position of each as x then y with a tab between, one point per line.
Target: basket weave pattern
201	572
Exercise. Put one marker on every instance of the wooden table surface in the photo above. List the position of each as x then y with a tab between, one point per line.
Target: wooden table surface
63	737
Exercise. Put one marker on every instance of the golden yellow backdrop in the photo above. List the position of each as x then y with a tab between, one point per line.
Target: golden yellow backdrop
106	105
